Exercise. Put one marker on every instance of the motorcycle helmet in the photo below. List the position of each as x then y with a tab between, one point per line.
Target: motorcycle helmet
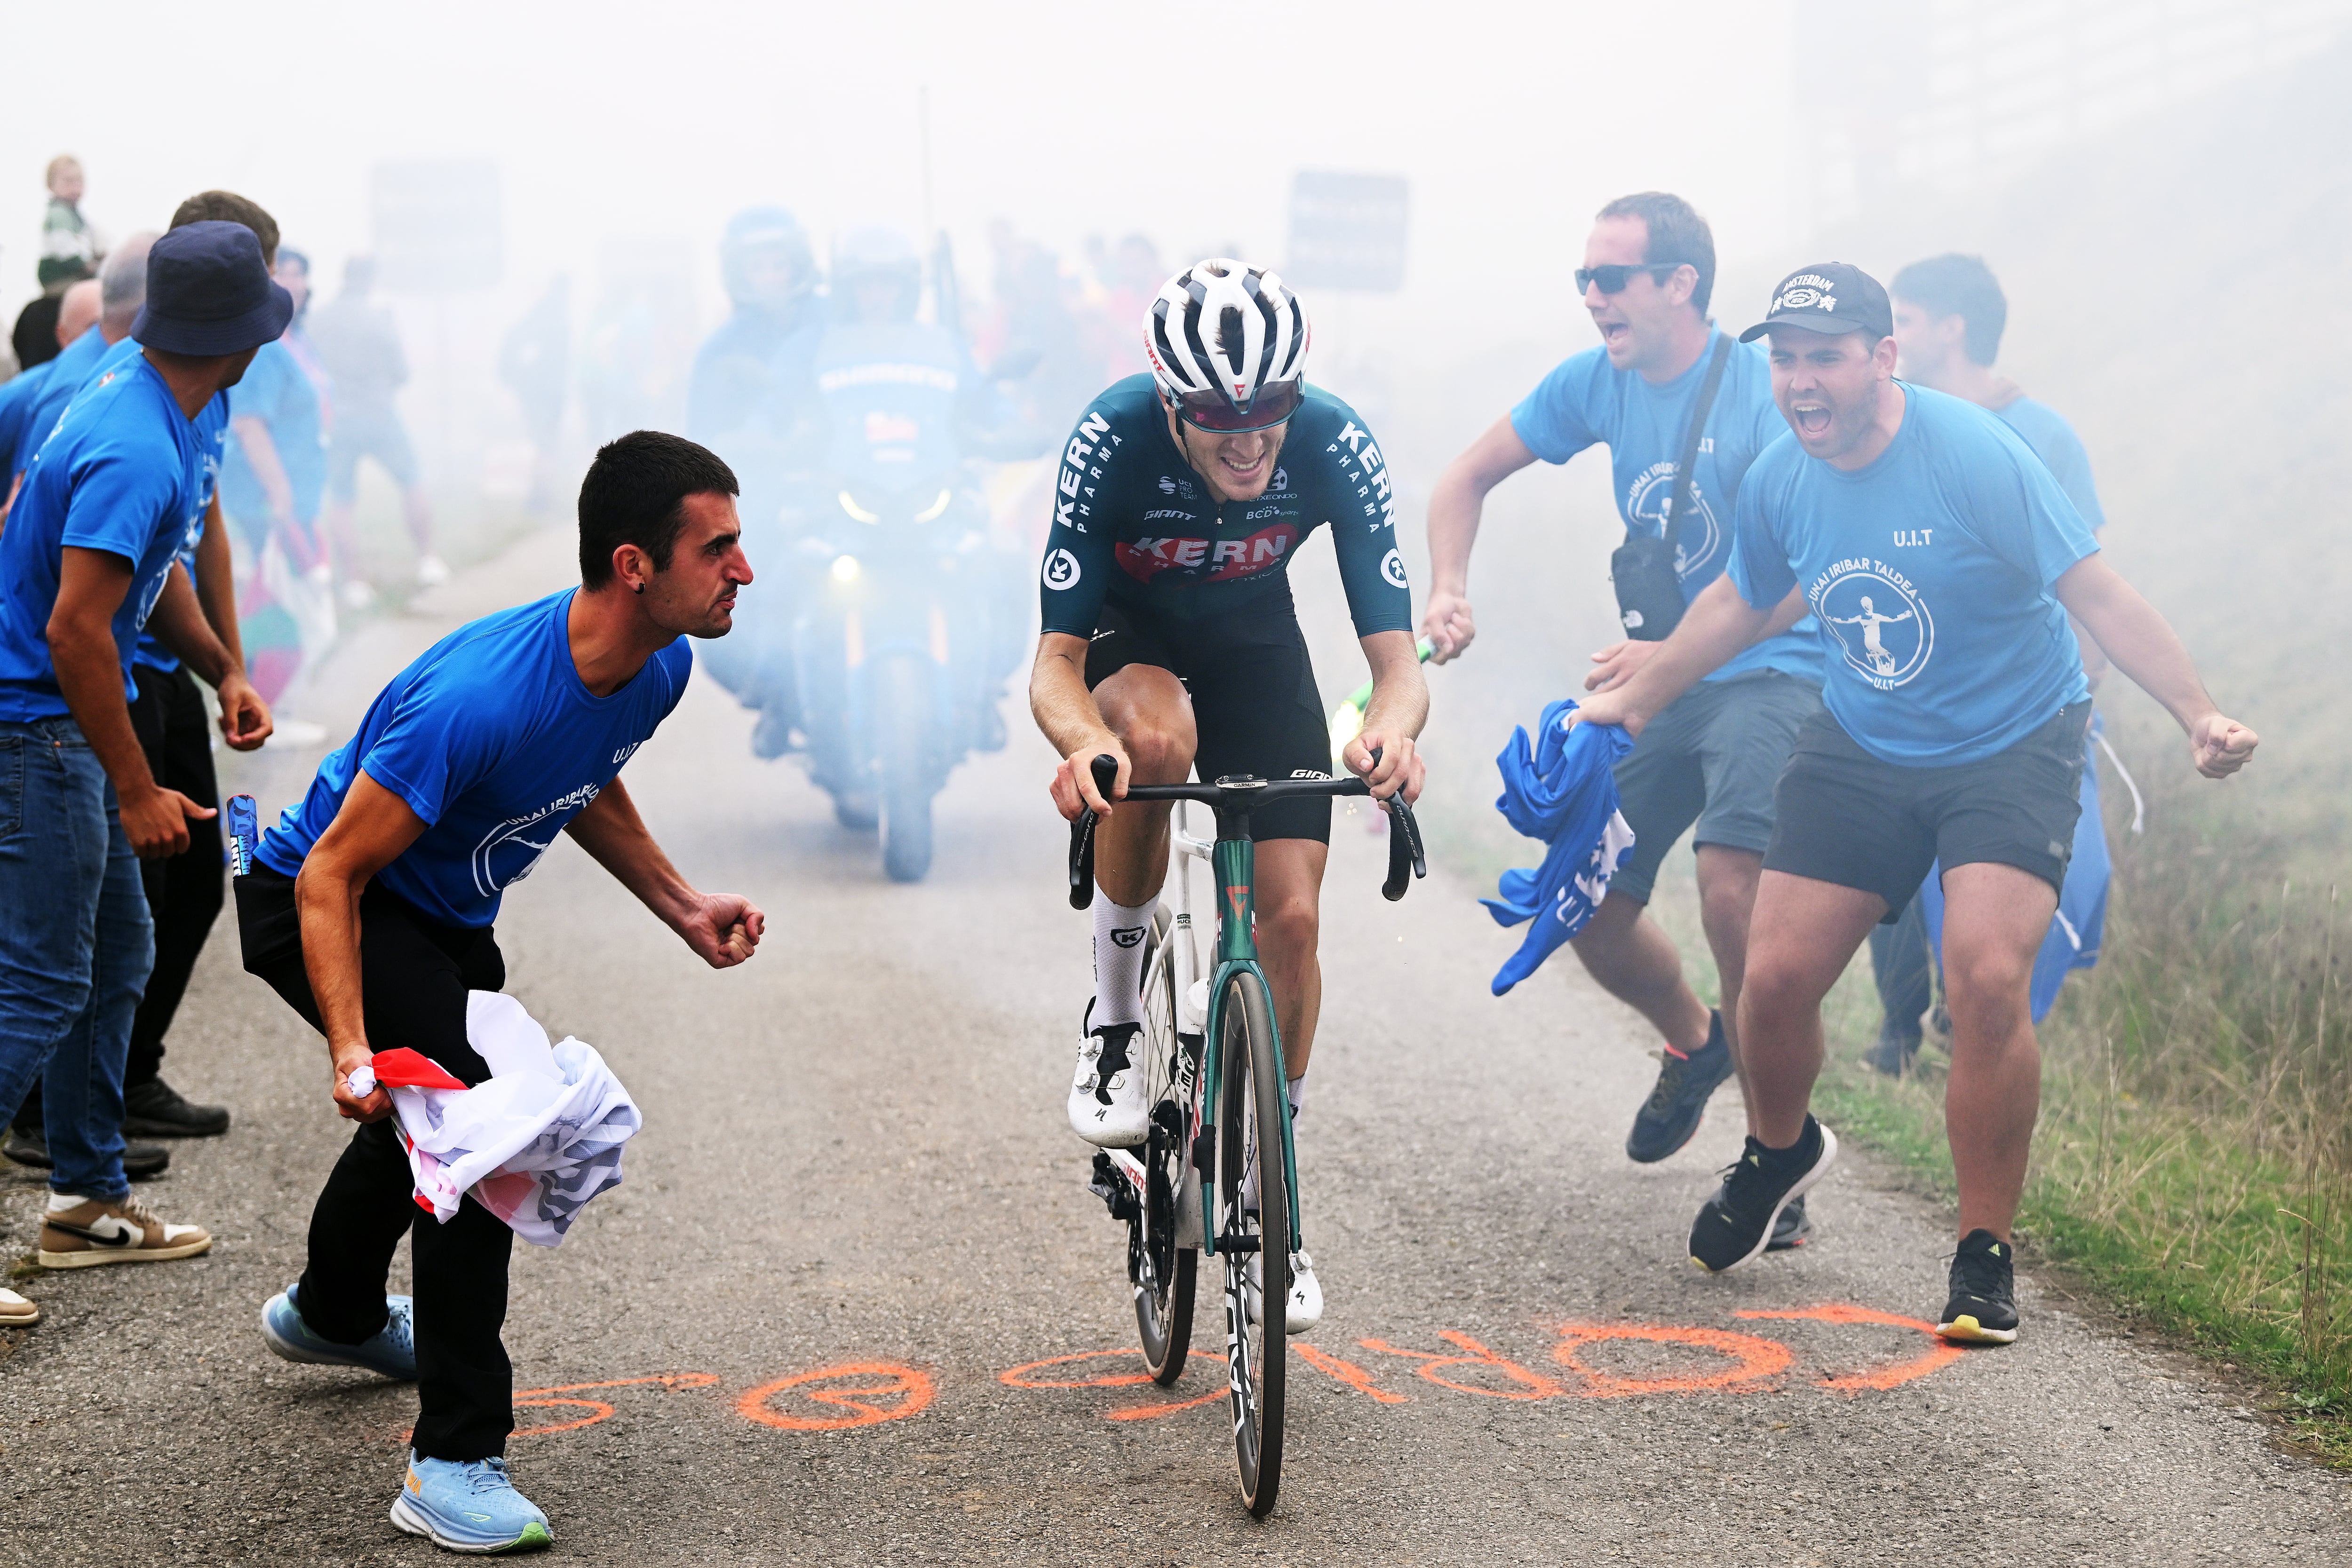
876	253
1227	343
764	258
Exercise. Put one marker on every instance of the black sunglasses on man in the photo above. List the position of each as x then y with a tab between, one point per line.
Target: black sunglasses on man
1613	277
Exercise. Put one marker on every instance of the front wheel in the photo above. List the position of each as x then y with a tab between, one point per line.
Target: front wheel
1254	1235
1161	1272
902	731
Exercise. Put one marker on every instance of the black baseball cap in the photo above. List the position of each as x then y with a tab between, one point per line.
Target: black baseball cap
1830	297
208	293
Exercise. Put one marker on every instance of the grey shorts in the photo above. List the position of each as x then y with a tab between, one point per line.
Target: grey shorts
1710	758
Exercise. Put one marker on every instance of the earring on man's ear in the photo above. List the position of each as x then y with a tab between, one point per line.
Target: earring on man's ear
637	587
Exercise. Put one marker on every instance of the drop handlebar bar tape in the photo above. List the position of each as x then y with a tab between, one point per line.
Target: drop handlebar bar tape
1082	835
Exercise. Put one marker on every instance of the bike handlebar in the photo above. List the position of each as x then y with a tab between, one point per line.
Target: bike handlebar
1406	858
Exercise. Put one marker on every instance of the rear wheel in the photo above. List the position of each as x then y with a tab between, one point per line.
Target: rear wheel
1254	1216
1162	1272
902	731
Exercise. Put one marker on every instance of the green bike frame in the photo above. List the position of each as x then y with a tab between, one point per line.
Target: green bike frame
1235	863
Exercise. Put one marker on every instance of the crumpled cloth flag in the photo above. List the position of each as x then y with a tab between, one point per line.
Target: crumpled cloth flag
2080	924
1560	789
533	1143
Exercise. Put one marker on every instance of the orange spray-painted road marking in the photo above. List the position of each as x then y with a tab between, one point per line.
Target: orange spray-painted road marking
1941	1354
1536	1385
877	1380
1349	1372
1148	1412
1021	1376
1753	1359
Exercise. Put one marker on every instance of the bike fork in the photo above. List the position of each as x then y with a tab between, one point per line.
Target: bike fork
1235	862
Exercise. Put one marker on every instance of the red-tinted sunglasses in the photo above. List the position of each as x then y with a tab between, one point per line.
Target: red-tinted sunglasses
1209	411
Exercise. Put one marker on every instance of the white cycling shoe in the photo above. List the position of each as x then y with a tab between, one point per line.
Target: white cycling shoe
1110	1109
1303	1309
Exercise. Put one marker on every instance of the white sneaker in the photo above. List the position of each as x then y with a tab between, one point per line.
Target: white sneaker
1303	1309
1109	1109
431	572
357	595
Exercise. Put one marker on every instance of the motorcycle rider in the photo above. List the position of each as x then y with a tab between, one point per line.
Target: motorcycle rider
887	409
770	276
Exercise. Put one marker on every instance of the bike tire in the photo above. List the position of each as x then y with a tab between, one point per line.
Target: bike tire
902	726
1250	1112
1163	1274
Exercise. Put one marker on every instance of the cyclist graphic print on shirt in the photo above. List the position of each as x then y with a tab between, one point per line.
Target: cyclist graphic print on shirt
1134	525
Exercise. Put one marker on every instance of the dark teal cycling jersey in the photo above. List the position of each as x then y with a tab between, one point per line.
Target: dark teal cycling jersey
1133	523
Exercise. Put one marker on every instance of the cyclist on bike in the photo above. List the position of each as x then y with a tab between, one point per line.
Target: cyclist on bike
1171	640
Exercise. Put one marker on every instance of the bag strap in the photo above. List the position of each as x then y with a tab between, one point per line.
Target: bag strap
1685	472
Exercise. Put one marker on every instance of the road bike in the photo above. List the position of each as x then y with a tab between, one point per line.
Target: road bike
1205	1180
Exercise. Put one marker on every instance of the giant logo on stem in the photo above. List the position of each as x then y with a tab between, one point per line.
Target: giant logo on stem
1879	619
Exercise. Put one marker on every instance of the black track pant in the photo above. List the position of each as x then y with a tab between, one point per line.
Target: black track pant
413	976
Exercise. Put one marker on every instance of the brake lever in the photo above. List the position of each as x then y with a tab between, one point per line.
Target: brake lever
1104	769
1405	852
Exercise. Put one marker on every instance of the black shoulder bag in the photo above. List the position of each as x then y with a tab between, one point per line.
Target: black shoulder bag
1649	594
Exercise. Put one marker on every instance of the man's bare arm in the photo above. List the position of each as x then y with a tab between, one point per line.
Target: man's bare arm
1066	711
2143	645
1456	507
722	928
1717	624
1394	718
372	831
181	624
91	586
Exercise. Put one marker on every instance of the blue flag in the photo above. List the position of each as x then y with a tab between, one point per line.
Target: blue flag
1560	789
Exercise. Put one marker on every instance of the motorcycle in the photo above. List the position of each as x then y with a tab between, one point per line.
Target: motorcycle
891	645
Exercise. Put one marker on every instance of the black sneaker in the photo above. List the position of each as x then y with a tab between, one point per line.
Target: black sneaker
156	1110
1791	1230
1736	1224
1983	1308
28	1146
1667	1119
1894	1052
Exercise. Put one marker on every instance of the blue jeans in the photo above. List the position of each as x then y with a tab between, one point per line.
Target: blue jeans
75	944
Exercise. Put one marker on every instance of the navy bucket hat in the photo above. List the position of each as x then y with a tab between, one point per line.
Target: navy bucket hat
208	293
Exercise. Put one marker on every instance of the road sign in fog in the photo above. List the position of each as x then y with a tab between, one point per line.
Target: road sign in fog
1347	231
440	225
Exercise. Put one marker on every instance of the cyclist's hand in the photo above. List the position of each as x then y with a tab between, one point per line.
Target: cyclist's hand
1448	624
1617	663
1073	780
723	928
1399	769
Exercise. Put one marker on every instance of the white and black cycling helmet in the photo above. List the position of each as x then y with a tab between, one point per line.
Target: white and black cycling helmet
1228	346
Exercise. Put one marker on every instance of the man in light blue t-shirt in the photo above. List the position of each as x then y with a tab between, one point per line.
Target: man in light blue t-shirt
1949	314
1940	562
1706	768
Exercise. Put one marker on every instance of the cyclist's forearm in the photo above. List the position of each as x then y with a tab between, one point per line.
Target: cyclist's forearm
1399	701
1059	699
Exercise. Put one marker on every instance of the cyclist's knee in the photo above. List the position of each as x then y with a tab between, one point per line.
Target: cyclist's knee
1289	924
1160	747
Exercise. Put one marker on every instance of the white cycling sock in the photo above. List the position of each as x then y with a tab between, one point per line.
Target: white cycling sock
1118	960
1296	1090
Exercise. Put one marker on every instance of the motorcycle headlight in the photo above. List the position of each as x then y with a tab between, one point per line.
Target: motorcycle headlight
849	504
846	569
935	508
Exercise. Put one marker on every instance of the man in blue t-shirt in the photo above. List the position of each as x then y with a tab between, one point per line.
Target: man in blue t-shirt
91	554
1949	314
1649	269
370	912
1940	561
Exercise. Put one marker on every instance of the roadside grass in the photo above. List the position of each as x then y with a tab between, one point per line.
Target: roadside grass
2192	1165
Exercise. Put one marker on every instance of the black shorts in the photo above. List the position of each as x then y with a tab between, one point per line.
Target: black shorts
1255	706
1842	815
1709	759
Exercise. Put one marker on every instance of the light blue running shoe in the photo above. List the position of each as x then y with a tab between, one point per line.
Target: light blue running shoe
392	1351
469	1506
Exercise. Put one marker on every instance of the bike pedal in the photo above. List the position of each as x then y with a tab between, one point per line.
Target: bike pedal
1111	1187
